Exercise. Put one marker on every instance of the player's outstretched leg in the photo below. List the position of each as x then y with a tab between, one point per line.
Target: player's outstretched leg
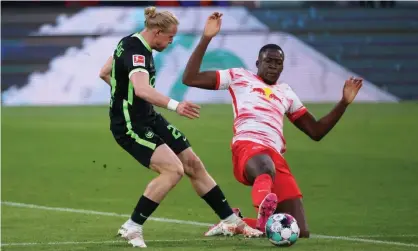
290	196
260	172
292	205
206	187
170	169
295	208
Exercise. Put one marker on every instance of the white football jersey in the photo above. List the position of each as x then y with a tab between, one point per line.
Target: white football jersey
259	108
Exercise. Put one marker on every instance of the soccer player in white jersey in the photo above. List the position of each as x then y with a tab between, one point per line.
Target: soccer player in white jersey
260	104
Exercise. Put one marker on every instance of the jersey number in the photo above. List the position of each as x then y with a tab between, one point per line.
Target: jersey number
176	134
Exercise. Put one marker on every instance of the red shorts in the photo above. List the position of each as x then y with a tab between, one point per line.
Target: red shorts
284	185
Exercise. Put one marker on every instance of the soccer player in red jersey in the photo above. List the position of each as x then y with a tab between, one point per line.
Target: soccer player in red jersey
260	104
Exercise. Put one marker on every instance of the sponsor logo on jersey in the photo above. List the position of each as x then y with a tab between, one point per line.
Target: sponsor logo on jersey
149	134
138	60
267	93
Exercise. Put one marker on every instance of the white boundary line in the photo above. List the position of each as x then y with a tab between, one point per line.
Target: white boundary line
95	242
184	222
385	236
82	211
347	238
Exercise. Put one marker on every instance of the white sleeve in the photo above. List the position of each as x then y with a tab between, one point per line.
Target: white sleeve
223	79
296	109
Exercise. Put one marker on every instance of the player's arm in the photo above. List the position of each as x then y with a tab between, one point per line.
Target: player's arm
142	88
135	63
192	76
317	129
106	70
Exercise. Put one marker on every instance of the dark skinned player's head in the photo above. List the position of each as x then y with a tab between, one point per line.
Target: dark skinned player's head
270	63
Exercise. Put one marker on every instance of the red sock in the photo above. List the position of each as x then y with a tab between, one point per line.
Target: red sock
261	187
250	222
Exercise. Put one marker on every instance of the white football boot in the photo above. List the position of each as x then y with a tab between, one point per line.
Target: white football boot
233	225
123	228
132	232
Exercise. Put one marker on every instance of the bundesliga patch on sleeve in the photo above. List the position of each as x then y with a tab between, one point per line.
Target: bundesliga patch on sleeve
138	60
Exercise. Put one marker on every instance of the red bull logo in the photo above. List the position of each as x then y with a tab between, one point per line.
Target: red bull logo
260	91
267	93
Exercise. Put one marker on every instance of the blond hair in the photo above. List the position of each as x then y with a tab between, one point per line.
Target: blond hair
161	20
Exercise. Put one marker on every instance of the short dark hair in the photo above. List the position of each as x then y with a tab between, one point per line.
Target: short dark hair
270	46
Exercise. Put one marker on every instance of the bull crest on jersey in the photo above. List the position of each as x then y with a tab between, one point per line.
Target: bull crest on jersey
267	93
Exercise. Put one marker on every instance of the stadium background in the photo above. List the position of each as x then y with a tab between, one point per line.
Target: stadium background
57	150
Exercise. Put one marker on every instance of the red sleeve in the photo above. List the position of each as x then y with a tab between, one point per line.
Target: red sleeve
223	79
297	114
218	80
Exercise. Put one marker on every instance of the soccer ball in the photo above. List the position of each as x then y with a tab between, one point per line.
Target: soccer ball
282	230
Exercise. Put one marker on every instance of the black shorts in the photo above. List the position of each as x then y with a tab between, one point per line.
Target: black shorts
142	141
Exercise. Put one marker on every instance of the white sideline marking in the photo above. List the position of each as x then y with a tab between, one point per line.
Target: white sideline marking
186	240
384	236
347	238
94	242
184	222
82	211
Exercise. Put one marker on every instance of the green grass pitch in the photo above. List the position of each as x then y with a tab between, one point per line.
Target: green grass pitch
359	182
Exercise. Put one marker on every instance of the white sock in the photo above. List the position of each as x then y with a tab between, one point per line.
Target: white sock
133	223
233	218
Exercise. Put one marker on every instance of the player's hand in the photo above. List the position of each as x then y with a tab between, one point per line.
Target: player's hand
188	110
351	88
213	25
